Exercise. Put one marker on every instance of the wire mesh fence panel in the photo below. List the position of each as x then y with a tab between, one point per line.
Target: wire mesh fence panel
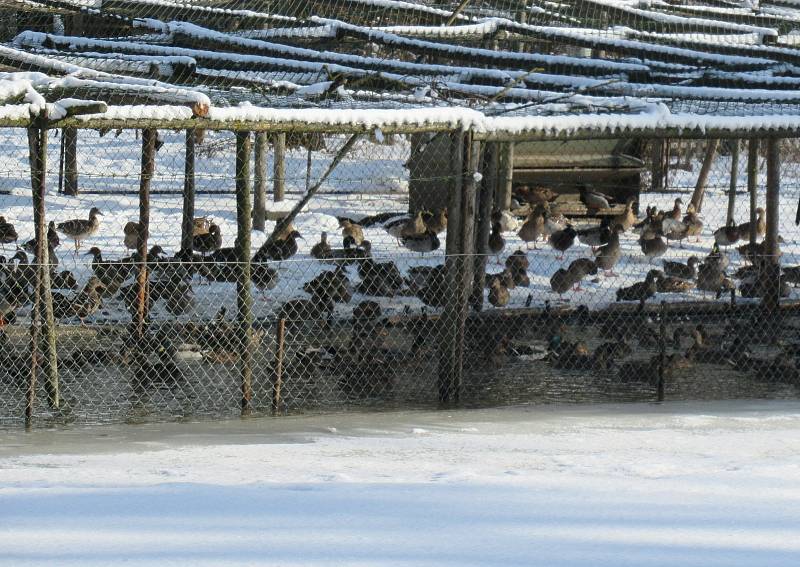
389	276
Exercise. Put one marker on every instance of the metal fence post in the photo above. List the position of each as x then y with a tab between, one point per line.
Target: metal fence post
244	296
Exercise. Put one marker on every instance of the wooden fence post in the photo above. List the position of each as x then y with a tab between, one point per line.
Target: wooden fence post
260	181
505	177
752	185
280	345
484	225
657	157
70	161
244	296
702	177
147	169
279	167
771	247
187	224
734	181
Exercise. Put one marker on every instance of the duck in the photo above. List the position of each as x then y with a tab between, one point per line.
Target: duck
424	243
594	200
535	195
322	250
553	222
517	263
179	299
533	227
562	240
429	284
111	274
693	223
499	295
640	291
672	284
209	242
437	223
791	274
561	281
53	241
201	225
581	268
317	308
263	277
761	225
131	235
507	221
64	280
379	278
674	230
727	235
406	225
711	277
88	300
505	277
607	256
597	235
717	258
81	229
8	234
496	241
675	213
14	294
687	271
627	218
653	247
352	233
278	249
650	370
333	284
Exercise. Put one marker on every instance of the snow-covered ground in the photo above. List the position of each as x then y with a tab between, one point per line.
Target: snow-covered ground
691	484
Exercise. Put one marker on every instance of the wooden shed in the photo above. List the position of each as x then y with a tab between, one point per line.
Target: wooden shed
613	166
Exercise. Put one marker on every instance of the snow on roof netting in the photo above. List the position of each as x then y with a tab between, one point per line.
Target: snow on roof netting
502	58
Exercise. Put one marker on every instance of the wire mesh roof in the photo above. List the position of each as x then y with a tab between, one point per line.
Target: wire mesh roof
504	58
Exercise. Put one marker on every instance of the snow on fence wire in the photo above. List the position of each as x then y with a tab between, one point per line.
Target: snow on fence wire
423	268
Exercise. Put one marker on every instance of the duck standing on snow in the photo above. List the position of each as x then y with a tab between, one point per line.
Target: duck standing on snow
579	269
322	250
596	236
8	234
499	295
594	200
607	256
278	250
640	291
507	221
496	241
437	223
761	225
627	218
653	247
727	235
81	229
131	235
352	233
693	223
208	242
562	240
687	271
424	243
533	227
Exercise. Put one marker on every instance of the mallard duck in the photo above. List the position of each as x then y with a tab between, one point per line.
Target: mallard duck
594	200
579	269
671	284
333	284
8	233
717	258
499	295
496	241
505	277
711	277
427	242
653	247
352	233
379	278
318	308
110	274
278	250
14	294
178	298
263	277
607	256
693	223
81	229
517	260
437	223
727	235
208	242
406	225
534	195
553	222
322	250
561	281
761	225
131	235
53	241
687	271
563	240
64	280
88	300
429	284
640	291
597	235
627	218
675	213
674	230
533	227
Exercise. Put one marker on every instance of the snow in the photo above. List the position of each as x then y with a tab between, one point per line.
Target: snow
694	484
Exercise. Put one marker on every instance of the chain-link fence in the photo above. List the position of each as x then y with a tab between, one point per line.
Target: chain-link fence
396	271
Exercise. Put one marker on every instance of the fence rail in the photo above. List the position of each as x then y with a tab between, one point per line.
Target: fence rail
168	305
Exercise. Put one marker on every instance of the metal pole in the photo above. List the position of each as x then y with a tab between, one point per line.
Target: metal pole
187	225
244	296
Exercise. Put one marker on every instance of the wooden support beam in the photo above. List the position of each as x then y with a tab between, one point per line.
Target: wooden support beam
70	140
734	181
771	247
187	221
657	158
280	345
447	325
279	166
505	181
244	295
149	136
702	177
752	186
260	181
484	216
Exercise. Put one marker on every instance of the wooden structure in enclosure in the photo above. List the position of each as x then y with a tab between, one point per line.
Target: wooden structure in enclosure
488	103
